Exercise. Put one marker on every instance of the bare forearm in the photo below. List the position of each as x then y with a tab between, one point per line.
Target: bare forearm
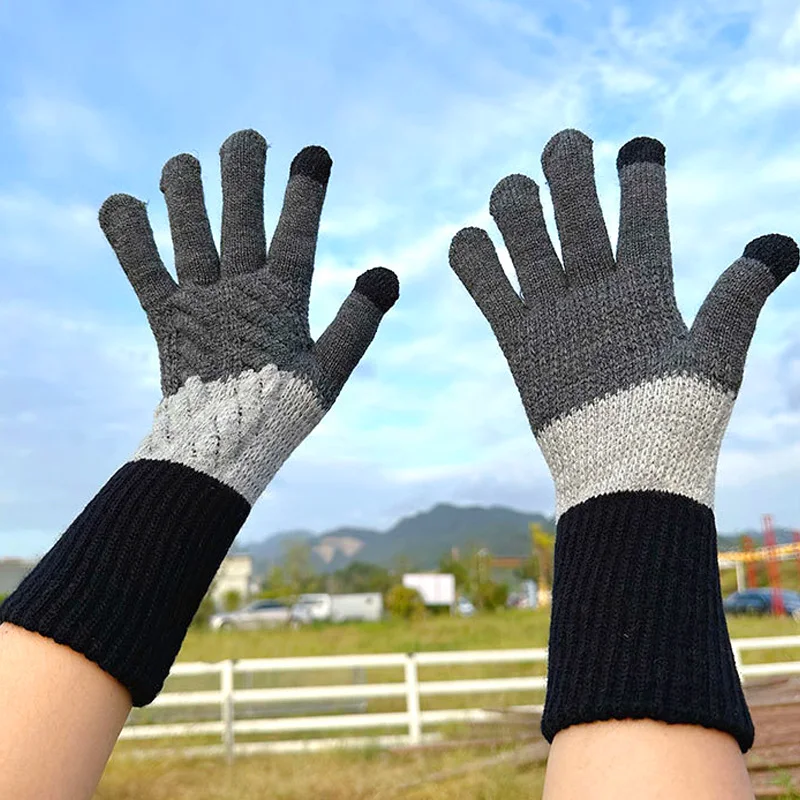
61	715
629	406
645	759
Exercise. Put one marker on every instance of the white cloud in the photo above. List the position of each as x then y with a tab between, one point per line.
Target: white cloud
36	227
56	128
463	95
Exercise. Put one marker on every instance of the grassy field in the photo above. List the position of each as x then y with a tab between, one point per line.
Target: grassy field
325	776
368	774
440	632
503	629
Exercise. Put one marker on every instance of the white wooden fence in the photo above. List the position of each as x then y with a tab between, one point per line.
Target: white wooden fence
411	721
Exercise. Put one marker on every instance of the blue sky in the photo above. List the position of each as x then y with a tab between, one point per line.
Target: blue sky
424	106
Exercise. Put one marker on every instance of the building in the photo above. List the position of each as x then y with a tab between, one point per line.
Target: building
12	571
235	574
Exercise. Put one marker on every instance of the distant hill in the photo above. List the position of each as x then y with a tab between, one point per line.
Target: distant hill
419	541
270	550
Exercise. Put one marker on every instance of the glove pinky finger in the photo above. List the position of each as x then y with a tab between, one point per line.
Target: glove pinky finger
345	340
474	260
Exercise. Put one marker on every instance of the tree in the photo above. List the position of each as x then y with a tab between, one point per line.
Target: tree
404	603
299	573
231	600
458	570
203	614
274	586
360	576
543	544
529	569
490	595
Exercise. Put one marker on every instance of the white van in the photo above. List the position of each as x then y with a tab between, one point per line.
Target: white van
367	607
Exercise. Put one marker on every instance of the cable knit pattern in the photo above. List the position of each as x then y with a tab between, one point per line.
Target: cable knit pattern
243	385
238	430
663	435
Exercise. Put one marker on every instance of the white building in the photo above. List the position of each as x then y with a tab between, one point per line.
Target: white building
235	574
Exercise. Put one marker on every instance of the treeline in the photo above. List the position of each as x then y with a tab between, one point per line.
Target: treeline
476	578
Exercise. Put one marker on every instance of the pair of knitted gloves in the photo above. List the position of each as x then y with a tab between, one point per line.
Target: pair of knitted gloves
628	405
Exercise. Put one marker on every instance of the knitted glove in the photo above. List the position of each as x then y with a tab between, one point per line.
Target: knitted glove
629	407
243	385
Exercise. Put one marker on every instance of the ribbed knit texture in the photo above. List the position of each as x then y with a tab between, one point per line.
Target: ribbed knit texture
243	384
637	628
629	405
123	582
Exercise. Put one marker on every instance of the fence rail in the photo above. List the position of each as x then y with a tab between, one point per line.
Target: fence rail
412	720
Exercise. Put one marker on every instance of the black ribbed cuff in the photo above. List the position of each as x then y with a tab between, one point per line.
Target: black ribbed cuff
122	584
637	628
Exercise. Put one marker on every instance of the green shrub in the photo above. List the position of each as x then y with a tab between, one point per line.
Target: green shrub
405	603
490	595
231	601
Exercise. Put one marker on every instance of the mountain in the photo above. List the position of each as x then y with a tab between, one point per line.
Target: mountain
418	541
271	549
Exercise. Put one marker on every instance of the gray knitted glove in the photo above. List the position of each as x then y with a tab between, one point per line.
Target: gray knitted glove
629	407
243	382
243	385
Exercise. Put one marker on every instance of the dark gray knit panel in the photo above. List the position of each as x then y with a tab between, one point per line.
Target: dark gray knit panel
243	322
598	324
246	307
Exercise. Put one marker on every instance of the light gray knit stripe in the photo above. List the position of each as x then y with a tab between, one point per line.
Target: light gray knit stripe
238	430
661	435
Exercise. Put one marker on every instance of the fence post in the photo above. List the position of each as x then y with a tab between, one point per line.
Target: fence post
412	700
741	584
226	687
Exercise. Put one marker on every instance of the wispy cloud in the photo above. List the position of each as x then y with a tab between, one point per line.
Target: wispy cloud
424	106
56	129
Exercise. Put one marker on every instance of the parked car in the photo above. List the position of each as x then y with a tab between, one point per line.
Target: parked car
464	607
759	601
260	614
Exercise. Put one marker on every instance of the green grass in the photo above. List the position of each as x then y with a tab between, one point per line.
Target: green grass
367	775
503	629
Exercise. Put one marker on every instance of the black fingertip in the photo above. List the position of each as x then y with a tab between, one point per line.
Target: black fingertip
380	286
642	150
314	162
778	253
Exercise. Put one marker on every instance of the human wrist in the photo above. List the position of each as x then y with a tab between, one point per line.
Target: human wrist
638	629
124	581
